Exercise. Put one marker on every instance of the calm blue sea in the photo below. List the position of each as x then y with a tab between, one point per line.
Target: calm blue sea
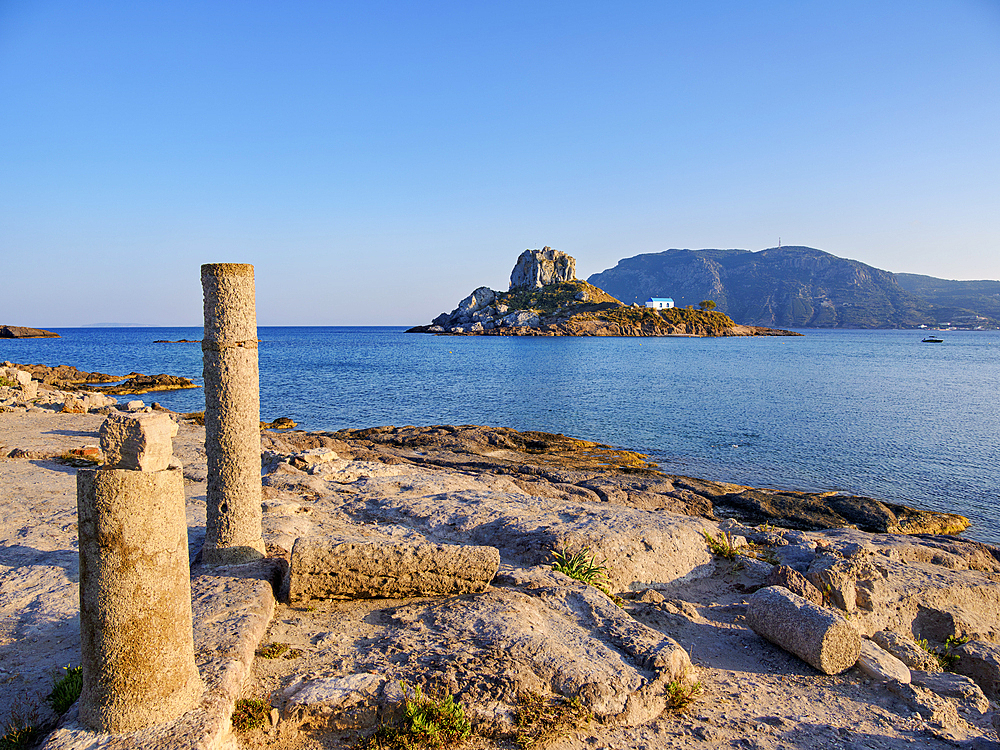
875	413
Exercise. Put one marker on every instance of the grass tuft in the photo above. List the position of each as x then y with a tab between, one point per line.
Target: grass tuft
250	714
945	655
583	566
682	695
66	690
19	735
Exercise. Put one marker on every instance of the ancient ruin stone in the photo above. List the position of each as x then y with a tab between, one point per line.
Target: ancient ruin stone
140	442
327	568
232	415
816	635
537	268
137	646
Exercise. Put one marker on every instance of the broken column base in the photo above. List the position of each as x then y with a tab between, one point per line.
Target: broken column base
329	568
135	599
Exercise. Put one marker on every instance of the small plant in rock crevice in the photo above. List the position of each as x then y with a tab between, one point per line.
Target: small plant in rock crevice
583	566
272	650
540	720
66	690
723	546
427	722
945	655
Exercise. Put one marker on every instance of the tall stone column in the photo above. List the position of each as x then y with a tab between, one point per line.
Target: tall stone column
137	647
232	415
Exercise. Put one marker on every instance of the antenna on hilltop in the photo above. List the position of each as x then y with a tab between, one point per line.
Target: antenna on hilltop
779	243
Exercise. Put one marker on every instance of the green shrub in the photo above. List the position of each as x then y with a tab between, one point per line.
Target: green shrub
427	722
250	714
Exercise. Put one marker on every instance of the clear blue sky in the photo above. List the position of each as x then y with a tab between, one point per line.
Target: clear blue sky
378	161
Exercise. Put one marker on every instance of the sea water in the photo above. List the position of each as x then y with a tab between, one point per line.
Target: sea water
875	413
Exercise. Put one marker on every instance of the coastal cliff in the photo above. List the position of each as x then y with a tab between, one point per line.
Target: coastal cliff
546	299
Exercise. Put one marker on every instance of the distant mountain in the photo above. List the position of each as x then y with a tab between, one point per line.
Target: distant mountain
796	287
957	302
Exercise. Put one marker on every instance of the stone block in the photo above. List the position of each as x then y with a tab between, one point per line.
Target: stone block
879	664
907	651
140	442
816	635
329	568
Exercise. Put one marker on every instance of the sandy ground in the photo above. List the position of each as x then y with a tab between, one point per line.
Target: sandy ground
753	695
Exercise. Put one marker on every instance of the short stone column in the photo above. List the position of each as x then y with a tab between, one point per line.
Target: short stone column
137	647
232	415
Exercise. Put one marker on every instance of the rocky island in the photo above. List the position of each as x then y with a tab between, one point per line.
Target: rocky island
20	332
546	299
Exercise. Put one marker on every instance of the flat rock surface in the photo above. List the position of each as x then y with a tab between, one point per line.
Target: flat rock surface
533	629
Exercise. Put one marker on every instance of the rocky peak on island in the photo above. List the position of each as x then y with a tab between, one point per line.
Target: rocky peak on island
546	299
537	268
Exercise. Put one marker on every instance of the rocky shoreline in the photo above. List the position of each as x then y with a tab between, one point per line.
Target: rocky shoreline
666	648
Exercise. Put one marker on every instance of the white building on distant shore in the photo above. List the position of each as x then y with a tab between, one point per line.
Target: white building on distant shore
659	303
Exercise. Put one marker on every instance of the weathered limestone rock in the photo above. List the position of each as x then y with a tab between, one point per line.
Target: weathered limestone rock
791	579
232	415
882	592
538	268
816	635
521	318
949	685
879	664
135	599
931	707
313	457
140	442
326	568
907	651
340	703
480	298
981	662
